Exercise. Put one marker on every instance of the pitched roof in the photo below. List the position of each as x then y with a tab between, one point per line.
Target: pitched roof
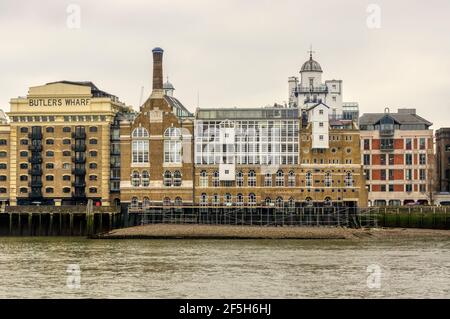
96	92
400	118
175	103
315	105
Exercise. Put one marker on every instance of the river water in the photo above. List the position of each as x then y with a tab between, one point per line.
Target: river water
82	268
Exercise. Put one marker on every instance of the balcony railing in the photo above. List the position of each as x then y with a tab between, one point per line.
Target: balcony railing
35	171
35	135
313	89
37	184
79	147
79	184
79	135
35	148
35	194
386	132
79	171
35	160
387	148
78	160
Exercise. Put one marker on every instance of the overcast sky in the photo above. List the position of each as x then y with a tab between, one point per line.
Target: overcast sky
234	53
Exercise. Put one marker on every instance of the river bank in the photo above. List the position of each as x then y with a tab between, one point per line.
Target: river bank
168	231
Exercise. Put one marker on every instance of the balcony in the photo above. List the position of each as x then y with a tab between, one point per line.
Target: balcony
35	171
79	135
115	165
79	184
35	135
115	152
78	160
37	184
313	89
79	147
387	132
35	148
35	160
79	171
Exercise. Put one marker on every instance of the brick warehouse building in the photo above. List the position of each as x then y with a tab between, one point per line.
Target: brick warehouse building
59	145
398	157
237	157
68	142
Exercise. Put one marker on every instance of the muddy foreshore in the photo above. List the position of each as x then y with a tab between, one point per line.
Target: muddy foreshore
170	231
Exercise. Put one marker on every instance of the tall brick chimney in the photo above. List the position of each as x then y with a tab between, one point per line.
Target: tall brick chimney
157	70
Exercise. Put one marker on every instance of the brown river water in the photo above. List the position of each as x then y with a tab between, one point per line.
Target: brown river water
81	268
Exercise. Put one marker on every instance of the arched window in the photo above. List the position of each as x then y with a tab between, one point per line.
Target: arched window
134	202
239	179
92	190
291	179
93	141
328	180
3	178
49	153
140	132
140	145
251	199
203	199
279	202
216	199
268	201
92	177
22	190
50	129
239	199
50	141
67	141
135	179
66	153
176	178
348	179
268	180
309	179
166	201
66	190
145	179
227	199
172	145
251	181
327	201
309	201
92	165
23	154
167	178
49	190
279	179
3	154
203	179
178	201
291	202
49	178
146	202
215	179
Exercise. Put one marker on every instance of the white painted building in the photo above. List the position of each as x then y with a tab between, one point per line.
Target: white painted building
311	90
318	116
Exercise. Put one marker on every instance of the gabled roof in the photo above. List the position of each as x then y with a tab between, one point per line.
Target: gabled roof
316	105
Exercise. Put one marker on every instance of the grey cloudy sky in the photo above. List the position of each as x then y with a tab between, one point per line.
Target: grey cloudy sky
236	53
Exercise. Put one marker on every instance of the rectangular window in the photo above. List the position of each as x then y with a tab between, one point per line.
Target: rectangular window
391	159
366	159
422	174
408	144
391	174
422	188
367	174
422	143
408	188
422	159
382	188
383	159
366	144
383	174
408	174
408	159
391	187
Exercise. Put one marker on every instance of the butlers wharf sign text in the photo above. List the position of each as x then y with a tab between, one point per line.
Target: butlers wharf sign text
59	102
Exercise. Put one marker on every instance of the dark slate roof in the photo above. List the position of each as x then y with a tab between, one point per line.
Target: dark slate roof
311	66
400	118
175	103
95	91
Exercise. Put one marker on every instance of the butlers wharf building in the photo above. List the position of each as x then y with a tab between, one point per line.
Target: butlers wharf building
69	142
